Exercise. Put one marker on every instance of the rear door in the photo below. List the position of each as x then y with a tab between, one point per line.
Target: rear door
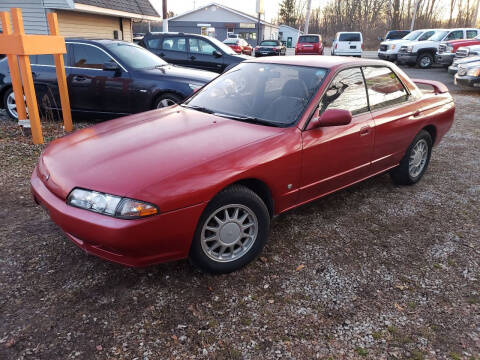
173	49
350	43
201	55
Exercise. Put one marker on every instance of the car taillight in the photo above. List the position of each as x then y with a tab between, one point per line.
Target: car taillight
336	45
277	48
362	46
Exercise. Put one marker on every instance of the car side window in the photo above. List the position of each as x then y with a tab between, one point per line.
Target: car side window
346	92
45	60
174	44
199	46
471	34
426	35
383	87
454	35
90	57
154	43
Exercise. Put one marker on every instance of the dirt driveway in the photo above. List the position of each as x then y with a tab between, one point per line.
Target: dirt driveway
376	271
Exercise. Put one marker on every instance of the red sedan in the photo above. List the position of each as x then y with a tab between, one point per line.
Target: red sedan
203	179
240	46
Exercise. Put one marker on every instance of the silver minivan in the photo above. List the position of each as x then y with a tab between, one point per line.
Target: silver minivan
348	43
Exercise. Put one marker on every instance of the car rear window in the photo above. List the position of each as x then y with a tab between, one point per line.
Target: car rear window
308	39
269	43
349	37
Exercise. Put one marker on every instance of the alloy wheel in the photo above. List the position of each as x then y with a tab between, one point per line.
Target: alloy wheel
425	61
12	105
165	103
418	158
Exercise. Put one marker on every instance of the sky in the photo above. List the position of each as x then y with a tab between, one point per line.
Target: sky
247	6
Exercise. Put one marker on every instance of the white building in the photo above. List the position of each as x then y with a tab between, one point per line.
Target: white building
289	35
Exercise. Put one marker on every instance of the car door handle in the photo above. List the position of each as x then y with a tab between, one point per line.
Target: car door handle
79	78
192	57
162	54
365	130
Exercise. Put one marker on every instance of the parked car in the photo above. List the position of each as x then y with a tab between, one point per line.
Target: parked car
422	53
388	50
467	51
107	78
269	48
348	44
203	179
192	50
310	44
447	50
233	36
452	69
240	46
396	34
468	75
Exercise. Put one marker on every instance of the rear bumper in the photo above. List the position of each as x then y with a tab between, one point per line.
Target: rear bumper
269	53
470	81
387	56
141	242
444	58
347	53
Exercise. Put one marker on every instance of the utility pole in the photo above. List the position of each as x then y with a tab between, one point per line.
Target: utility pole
307	17
165	16
475	14
414	14
260	11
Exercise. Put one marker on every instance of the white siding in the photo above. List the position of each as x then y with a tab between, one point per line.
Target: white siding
33	12
213	13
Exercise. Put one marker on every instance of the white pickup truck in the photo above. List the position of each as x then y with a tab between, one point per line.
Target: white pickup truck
389	49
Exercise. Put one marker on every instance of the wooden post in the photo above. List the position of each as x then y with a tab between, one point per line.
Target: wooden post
14	72
26	72
61	77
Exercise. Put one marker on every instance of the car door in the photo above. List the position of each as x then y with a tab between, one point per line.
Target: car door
394	111
174	50
93	89
201	55
336	156
455	35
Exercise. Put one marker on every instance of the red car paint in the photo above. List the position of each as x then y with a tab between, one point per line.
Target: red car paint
240	46
309	45
179	159
463	42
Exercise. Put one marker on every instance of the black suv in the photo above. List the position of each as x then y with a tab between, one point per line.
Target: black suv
106	78
196	51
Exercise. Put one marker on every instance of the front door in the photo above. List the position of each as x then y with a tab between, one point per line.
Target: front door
336	156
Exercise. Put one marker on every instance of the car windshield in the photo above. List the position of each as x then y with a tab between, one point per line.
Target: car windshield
230	41
349	37
267	94
308	39
225	48
439	35
413	35
134	56
269	43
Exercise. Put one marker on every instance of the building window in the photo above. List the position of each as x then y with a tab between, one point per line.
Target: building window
203	30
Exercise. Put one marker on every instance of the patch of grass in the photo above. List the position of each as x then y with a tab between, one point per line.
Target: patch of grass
417	355
392	329
246	322
455	356
361	351
437	266
377	335
451	262
412	305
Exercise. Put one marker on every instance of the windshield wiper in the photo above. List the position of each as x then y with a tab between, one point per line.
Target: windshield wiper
249	119
198	108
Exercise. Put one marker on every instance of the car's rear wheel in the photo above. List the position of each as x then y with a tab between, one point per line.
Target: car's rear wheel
415	162
231	232
10	105
165	100
425	61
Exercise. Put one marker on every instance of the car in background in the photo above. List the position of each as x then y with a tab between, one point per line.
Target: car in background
310	44
447	50
106	79
388	50
396	34
452	69
192	50
270	48
468	75
348	44
467	51
233	36
204	179
422	53
240	46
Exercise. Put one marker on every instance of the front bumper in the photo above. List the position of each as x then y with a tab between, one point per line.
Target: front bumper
470	81
452	70
140	242
444	58
407	58
387	56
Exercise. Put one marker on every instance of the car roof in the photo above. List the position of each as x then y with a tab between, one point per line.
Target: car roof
96	41
309	35
328	62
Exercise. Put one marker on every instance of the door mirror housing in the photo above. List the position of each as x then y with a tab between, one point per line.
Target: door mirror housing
216	53
330	117
111	66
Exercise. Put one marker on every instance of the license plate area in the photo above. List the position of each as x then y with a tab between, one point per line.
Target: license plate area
353	46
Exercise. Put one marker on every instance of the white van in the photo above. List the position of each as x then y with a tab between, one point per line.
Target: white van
348	43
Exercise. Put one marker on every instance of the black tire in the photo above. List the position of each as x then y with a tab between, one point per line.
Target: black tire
234	195
5	105
401	175
166	99
425	60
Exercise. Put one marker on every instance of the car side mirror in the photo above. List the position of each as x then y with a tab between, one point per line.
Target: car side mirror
111	66
216	53
330	117
380	38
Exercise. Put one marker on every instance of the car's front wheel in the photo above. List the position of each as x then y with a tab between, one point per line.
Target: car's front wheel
165	100
10	105
415	161
425	61
231	232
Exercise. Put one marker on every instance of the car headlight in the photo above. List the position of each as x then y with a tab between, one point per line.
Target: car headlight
410	49
449	49
111	205
473	72
194	87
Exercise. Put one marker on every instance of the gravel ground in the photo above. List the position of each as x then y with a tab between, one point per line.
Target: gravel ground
375	271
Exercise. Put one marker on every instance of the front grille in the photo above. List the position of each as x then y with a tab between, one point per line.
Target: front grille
383	47
403	49
442	48
461	53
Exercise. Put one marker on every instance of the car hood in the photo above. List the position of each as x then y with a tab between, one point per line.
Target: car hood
473	47
241	57
398	41
466	60
424	44
180	73
126	155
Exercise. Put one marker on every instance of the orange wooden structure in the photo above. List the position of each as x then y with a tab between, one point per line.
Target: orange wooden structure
18	46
